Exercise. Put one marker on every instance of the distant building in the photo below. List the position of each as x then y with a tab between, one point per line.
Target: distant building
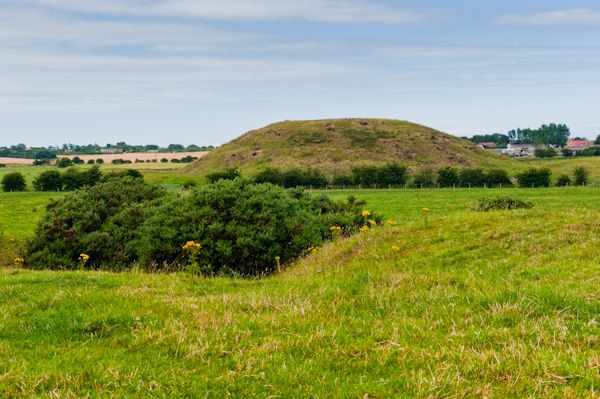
519	150
579	145
111	150
488	145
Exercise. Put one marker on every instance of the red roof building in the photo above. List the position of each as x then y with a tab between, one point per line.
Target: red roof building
578	145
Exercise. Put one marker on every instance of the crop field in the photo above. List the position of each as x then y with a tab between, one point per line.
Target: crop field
469	304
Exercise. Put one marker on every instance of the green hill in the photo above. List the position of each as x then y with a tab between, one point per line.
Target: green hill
333	146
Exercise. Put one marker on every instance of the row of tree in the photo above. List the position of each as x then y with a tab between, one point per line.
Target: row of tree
553	133
69	180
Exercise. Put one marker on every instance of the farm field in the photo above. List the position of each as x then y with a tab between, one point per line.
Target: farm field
498	304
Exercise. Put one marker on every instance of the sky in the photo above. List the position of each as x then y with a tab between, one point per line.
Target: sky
206	71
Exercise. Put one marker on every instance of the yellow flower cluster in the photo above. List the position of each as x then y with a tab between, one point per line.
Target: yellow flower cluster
395	248
426	210
335	229
192	247
372	222
19	261
391	222
366	213
84	258
364	229
313	250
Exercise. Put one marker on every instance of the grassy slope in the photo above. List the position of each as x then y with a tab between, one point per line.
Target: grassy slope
335	145
498	304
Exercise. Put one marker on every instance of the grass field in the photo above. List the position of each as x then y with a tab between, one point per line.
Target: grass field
500	304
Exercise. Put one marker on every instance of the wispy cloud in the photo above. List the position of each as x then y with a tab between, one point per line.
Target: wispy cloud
550	18
328	11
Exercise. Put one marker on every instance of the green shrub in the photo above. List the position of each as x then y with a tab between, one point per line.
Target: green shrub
534	178
2	165
501	203
77	161
563	180
581	175
100	221
545	152
425	178
121	174
49	180
100	161
472	178
14	181
497	177
91	162
241	226
64	163
567	152
269	175
225	174
391	174
448	177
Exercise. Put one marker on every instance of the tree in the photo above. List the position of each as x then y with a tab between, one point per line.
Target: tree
567	152
597	142
100	161
77	161
448	177
13	182
563	181
49	180
555	134
64	163
533	177
472	178
582	175
497	177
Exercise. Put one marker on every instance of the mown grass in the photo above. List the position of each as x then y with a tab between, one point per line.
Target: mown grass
495	304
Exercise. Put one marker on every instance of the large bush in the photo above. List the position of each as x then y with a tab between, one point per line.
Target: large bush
14	181
241	226
534	178
50	180
472	177
448	177
582	176
497	177
100	221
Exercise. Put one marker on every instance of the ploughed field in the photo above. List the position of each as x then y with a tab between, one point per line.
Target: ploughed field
468	304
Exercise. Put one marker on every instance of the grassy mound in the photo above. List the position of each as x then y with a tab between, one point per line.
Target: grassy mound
501	304
335	145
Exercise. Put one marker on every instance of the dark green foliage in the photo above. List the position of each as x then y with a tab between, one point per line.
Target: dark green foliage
91	162
553	133
225	174
292	178
74	179
497	177
41	162
164	160
534	178
242	226
498	138
269	175
49	180
597	141
122	174
188	159
99	221
175	160
342	181
99	161
64	162
563	180
2	165
590	152
448	177
567	152
472	178
14	181
77	161
379	176
545	152
500	204
120	161
425	178
581	175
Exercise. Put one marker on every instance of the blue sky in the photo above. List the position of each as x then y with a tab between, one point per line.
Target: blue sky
206	71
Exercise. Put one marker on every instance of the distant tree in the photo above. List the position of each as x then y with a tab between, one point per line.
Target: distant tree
175	147
270	175
545	152
49	180
91	162
192	147
425	178
497	177
77	161
472	177
581	175
64	163
553	133
14	181
533	177
164	160
497	138
100	161
597	142
567	152
448	177
563	180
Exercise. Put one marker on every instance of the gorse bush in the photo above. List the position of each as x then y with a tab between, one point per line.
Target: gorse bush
240	225
582	176
501	203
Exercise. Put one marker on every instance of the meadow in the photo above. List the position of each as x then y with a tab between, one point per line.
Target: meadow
469	304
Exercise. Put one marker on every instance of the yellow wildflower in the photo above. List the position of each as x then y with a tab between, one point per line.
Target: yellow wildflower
426	210
395	248
335	229
84	257
391	222
192	247
364	229
313	250
366	213
372	222
19	261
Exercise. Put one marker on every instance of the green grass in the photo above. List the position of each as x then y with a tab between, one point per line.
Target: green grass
498	304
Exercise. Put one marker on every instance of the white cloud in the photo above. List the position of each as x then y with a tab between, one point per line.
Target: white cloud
550	18
330	11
